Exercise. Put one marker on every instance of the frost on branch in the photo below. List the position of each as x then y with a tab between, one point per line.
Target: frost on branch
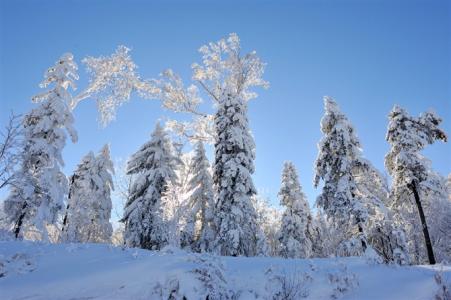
175	96
223	68
200	128
112	80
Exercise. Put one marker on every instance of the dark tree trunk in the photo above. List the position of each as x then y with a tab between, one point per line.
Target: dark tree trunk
65	219
427	238
19	222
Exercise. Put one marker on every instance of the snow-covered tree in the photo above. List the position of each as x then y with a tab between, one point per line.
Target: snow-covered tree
153	167
38	196
269	221
199	228
294	239
88	213
410	171
339	154
323	237
437	209
233	167
227	78
386	238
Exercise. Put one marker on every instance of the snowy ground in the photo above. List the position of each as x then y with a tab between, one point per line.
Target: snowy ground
74	271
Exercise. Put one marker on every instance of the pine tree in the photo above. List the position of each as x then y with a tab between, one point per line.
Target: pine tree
88	213
200	206
36	200
339	154
410	170
153	166
294	239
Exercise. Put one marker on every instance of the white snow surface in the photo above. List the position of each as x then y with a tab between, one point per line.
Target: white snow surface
31	270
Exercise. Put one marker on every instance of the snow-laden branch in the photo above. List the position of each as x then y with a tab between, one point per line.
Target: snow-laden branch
112	80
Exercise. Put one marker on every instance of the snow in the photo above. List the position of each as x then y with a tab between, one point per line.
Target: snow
33	270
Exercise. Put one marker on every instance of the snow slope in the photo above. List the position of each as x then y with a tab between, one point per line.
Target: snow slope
93	271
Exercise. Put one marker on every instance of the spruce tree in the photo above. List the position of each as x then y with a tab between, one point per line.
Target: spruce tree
36	200
200	206
339	154
153	168
295	241
88	213
233	167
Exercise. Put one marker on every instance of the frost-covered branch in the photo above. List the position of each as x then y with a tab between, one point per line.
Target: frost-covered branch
9	149
112	80
223	68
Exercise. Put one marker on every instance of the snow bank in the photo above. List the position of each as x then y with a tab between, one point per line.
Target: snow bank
93	271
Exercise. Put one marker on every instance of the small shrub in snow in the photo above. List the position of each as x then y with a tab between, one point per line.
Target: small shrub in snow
444	287
170	290
287	285
342	281
210	272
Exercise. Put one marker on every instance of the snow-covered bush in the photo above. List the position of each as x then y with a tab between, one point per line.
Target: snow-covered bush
342	281
287	285
204	280
209	270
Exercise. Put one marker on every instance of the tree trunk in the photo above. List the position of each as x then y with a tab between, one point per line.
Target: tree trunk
427	238
19	222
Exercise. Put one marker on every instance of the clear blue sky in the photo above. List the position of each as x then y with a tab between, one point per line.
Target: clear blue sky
369	55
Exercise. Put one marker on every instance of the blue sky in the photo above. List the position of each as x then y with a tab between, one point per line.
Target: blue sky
369	55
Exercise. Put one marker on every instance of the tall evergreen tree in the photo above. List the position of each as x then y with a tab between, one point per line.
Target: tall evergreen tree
227	77
339	154
88	213
407	136
36	200
153	166
295	240
234	156
200	207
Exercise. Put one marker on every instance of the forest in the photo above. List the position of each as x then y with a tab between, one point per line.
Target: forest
176	198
